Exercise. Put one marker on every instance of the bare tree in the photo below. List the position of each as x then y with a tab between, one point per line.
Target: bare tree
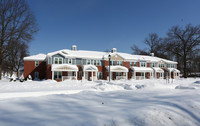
182	42
138	51
154	45
14	61
17	25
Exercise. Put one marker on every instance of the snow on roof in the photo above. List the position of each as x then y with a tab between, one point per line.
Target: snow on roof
79	54
173	70
117	68
38	57
64	67
104	55
158	69
142	69
90	68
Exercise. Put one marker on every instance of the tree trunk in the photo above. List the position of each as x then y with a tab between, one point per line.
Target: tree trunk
184	67
0	71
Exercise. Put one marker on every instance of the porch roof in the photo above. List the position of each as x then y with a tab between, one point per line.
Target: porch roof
117	68
90	68
142	69
173	70
64	67
157	69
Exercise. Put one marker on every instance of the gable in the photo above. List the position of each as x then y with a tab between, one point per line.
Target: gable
116	57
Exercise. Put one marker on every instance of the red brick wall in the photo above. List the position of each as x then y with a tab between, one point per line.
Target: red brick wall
148	64
30	69
104	70
48	72
137	64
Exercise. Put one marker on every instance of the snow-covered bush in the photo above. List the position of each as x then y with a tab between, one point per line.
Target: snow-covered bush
13	78
29	78
21	79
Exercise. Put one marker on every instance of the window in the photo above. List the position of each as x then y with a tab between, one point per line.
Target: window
112	63
131	63
134	64
69	61
58	60
88	61
57	75
161	65
36	63
118	73
95	62
142	64
36	75
153	64
99	75
120	63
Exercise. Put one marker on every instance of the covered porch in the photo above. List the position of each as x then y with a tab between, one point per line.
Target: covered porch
62	72
158	73
173	73
117	72
142	73
89	72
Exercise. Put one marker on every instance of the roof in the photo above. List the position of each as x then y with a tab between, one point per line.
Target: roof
79	54
90	68
142	69
157	69
38	57
173	70
98	55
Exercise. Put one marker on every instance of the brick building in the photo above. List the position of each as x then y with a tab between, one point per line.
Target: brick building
94	65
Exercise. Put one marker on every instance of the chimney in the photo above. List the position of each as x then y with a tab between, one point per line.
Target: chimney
74	47
152	54
114	50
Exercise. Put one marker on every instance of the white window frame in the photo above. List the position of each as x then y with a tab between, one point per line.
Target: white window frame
37	63
36	74
90	61
100	73
143	64
58	60
70	59
56	73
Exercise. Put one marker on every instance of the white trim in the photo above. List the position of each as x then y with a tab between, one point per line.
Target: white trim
61	67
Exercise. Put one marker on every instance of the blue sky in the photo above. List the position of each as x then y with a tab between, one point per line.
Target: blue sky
105	24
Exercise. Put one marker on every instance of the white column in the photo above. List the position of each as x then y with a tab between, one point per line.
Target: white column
96	75
135	75
92	75
52	75
84	75
169	74
126	75
76	75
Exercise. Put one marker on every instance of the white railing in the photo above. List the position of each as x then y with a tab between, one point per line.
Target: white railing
139	77
68	78
120	77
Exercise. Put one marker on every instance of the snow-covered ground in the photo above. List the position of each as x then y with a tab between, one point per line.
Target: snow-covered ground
100	103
